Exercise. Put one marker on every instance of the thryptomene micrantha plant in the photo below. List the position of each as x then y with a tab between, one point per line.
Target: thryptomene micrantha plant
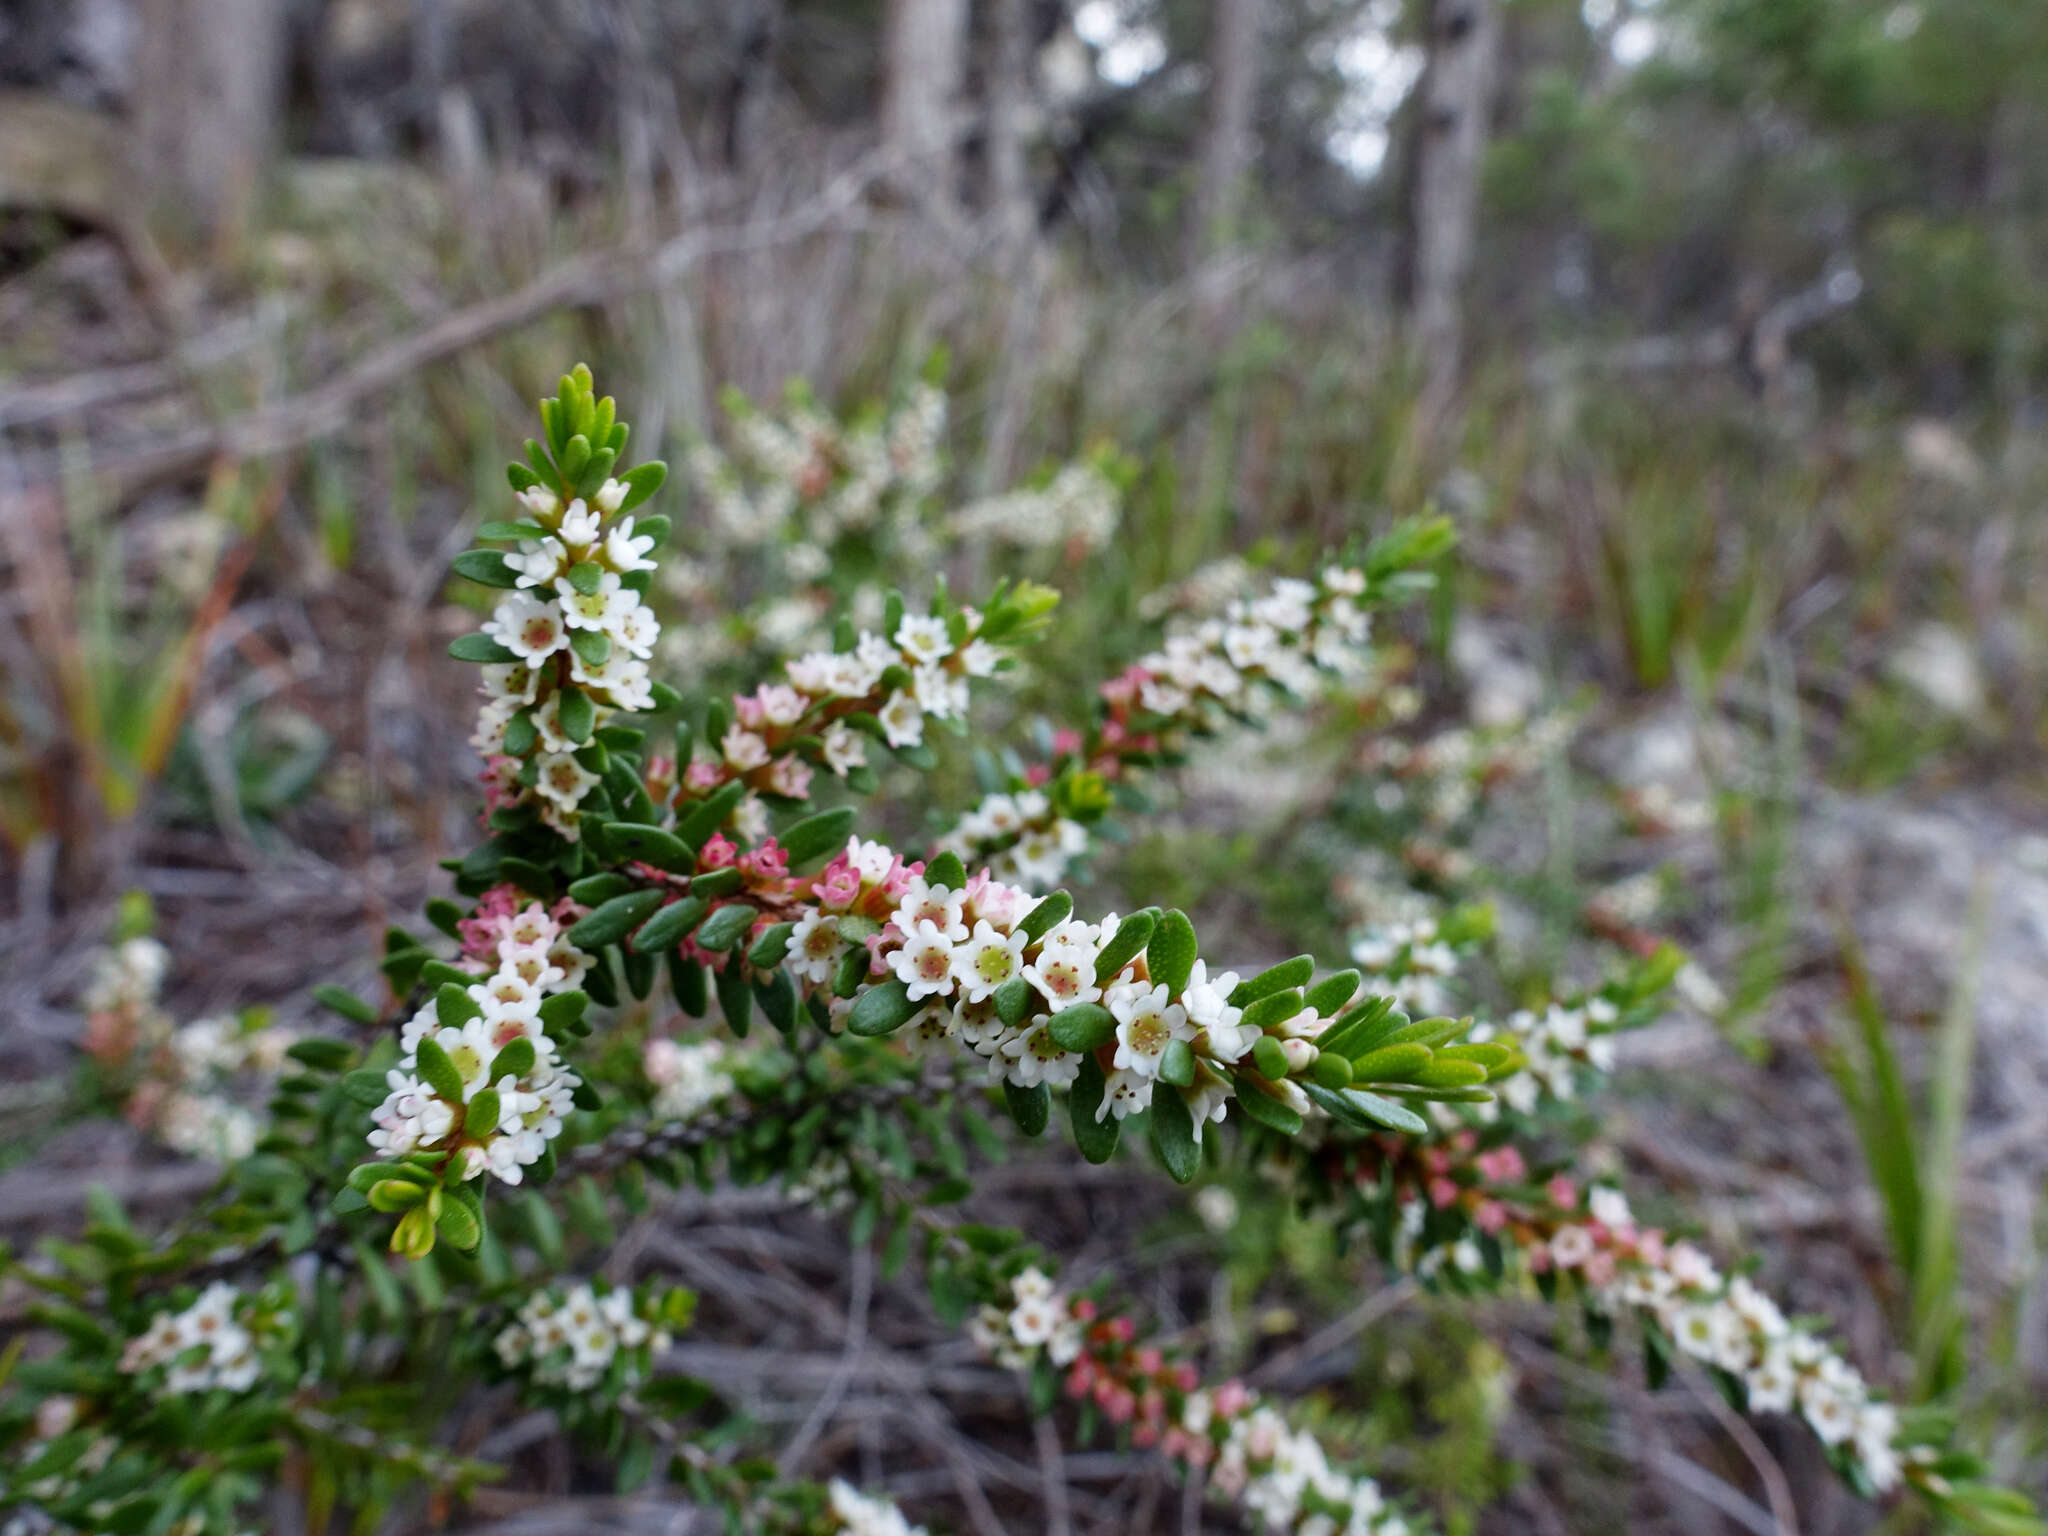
863	1006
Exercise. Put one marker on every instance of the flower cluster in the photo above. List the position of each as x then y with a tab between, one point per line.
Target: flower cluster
191	1110
214	1343
577	1336
1280	1475
127	977
1454	1201
953	947
184	1094
688	1077
1290	637
479	1078
1038	1317
774	738
1735	1328
1408	961
831	476
859	1514
1075	509
568	646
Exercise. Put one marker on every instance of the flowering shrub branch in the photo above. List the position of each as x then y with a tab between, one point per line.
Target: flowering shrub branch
1288	643
899	994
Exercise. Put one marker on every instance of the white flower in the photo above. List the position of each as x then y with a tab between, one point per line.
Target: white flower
902	720
1148	1021
939	694
938	905
1772	1383
987	960
637	630
540	501
610	496
1032	1056
1064	975
844	750
1209	1010
601	608
814	948
1609	1207
579	525
1125	1094
743	749
563	780
538	562
925	962
528	627
623	549
924	639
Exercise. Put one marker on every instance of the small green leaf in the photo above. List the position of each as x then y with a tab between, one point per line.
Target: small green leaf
345	1003
686	982
735	999
564	1009
1261	1107
514	1059
669	924
321	1054
1130	937
480	648
486	567
1388	1064
718	882
1047	915
726	927
771	946
481	1118
575	714
650	845
586	577
816	837
1177	1064
454	1007
1269	1058
614	920
596	890
1029	1107
1083	1027
1170	955
882	1009
1332	993
641	482
1174	1137
1366	1111
365	1087
1097	1139
853	970
1288	973
593	645
946	870
1013	1000
1332	1070
460	1225
438	1070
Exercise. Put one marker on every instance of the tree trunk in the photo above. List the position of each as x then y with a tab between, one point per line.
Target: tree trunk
1456	102
922	64
1009	124
207	94
1227	140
